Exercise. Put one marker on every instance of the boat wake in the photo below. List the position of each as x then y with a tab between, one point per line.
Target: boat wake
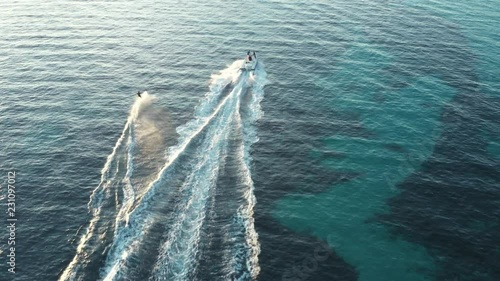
162	230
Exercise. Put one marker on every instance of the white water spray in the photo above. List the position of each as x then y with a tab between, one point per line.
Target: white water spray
102	194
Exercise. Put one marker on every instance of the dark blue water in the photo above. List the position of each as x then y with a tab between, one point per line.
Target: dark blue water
364	147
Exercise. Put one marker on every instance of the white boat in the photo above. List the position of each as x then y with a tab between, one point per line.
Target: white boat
250	62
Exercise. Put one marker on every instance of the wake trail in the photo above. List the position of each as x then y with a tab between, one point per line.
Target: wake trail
128	236
177	258
102	201
245	262
124	220
128	190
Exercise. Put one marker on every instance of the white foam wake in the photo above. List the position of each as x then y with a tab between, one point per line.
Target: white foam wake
128	236
245	261
178	253
102	195
128	190
207	137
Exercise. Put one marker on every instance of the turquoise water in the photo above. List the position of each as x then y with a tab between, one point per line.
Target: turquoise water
365	147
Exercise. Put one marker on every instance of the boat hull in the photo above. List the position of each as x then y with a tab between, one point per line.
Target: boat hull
250	65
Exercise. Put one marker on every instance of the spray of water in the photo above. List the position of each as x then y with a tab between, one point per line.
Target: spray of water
102	196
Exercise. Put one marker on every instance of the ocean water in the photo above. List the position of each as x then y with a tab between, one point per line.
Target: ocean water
365	146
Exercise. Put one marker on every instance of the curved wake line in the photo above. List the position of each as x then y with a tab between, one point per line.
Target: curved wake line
245	213
178	253
128	190
128	224
100	193
129	235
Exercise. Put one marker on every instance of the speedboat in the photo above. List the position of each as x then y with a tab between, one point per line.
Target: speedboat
250	62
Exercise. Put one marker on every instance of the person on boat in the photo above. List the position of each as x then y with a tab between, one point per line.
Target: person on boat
254	55
249	56
139	93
